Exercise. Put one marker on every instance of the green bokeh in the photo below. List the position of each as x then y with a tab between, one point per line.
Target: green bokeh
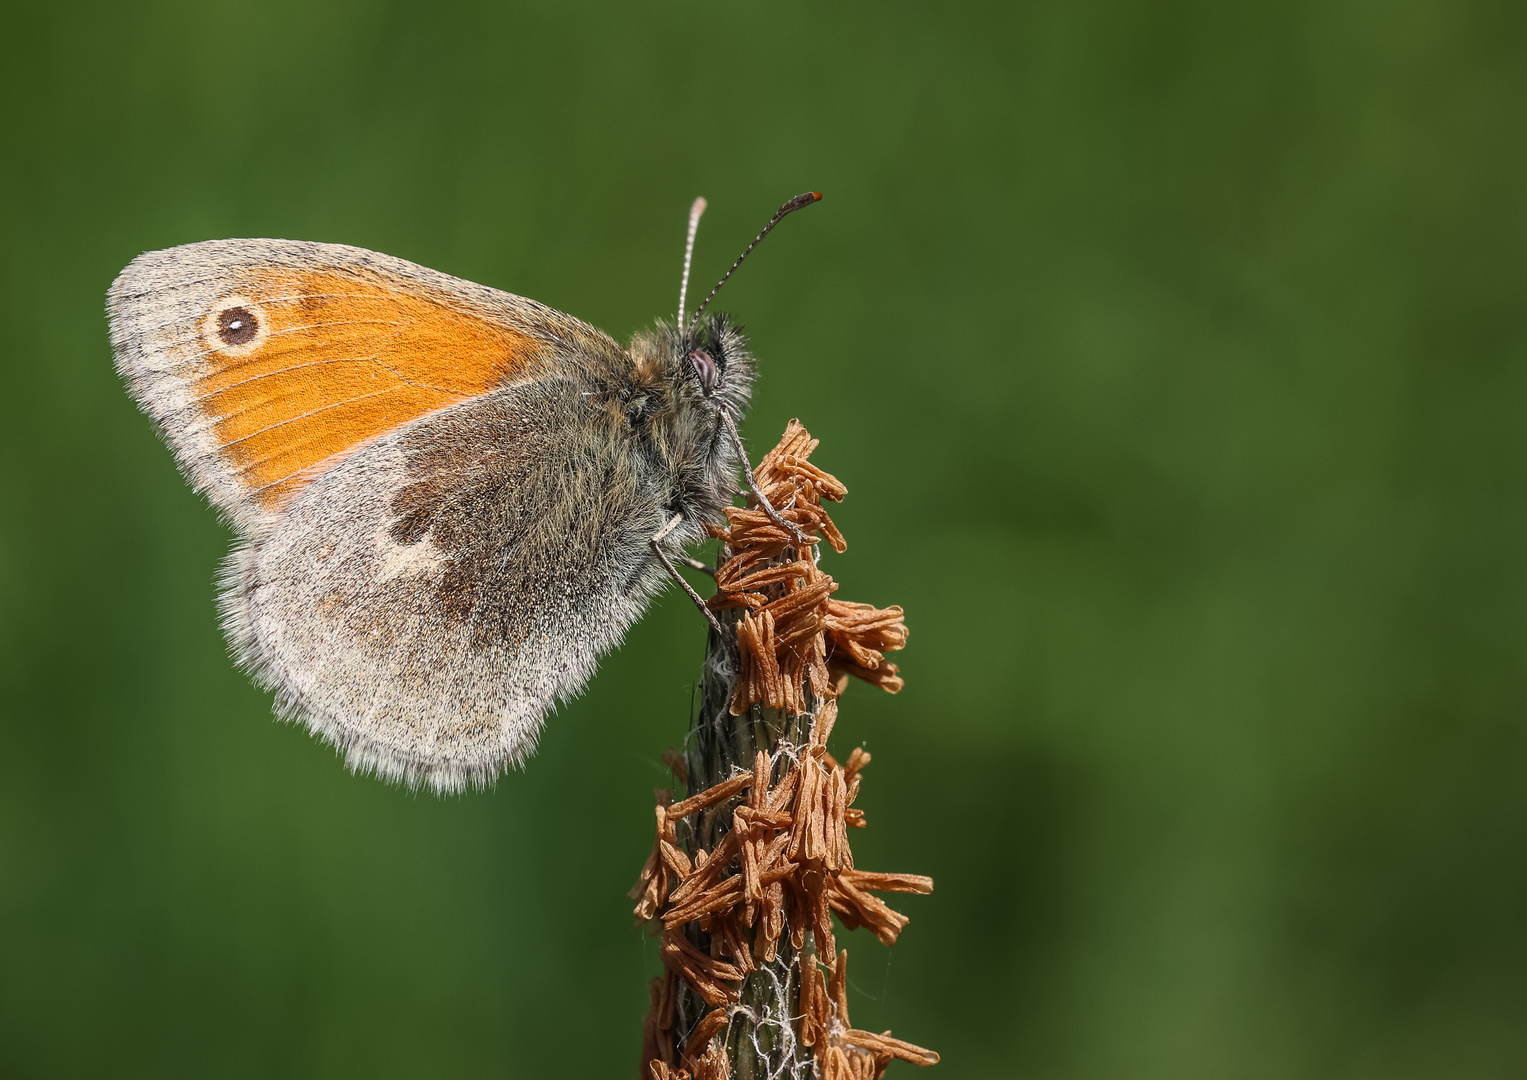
1174	356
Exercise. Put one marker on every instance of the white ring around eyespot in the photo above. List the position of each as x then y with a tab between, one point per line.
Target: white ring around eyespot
210	326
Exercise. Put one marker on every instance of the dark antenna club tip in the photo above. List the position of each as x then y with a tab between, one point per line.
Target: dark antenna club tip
802	200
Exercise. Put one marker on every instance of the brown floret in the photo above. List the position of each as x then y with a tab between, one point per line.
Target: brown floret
793	635
785	861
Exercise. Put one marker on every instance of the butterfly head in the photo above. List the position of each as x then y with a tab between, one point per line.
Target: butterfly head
685	382
699	372
695	376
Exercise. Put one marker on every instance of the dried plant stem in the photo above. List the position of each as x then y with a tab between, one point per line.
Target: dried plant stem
748	872
761	1041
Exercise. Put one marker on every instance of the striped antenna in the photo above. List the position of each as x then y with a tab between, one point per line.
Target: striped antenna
695	210
805	199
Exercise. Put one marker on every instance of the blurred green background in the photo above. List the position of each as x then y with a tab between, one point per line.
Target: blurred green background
1173	354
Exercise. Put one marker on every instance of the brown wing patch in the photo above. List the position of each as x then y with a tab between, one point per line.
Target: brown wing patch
301	365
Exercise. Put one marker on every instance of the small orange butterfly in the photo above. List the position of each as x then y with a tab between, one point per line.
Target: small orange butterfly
450	500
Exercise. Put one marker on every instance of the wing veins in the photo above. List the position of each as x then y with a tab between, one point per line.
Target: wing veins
318	363
303	416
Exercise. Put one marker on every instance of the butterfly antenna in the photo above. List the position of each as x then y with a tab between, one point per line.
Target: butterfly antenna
805	199
695	210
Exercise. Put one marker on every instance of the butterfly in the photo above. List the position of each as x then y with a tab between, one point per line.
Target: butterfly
450	501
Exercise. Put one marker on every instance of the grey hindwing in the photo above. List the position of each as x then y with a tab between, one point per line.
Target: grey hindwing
423	603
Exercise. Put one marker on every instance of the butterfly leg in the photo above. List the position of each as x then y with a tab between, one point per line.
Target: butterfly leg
673	571
763	503
696	564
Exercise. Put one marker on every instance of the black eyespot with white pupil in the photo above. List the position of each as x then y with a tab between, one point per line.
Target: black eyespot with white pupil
237	326
705	370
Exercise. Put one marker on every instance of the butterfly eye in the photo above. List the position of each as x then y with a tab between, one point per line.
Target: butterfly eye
705	370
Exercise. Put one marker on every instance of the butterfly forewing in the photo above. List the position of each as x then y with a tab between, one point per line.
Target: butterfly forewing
264	361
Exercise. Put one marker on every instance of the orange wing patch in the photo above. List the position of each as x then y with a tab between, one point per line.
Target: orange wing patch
301	366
